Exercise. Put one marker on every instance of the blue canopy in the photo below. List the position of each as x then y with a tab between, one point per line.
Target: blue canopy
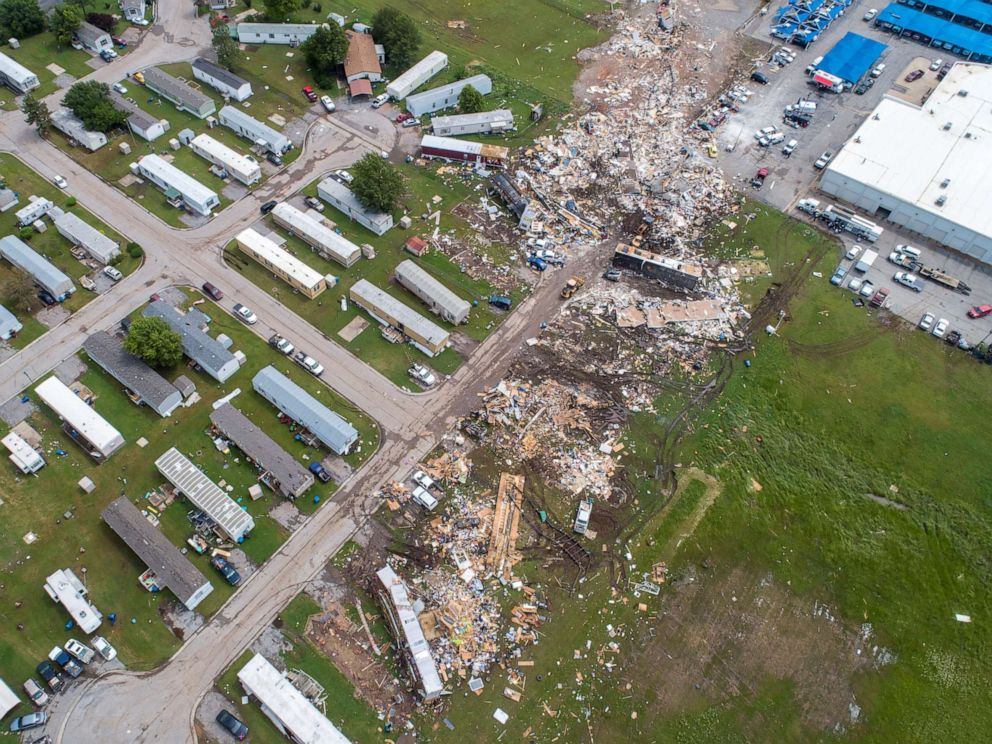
852	57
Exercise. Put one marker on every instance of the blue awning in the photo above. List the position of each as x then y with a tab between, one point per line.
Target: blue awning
951	36
852	57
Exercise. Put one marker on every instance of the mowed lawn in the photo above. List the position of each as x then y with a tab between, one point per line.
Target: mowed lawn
325	312
70	533
21	179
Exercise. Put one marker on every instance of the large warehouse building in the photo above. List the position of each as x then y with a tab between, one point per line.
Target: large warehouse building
926	168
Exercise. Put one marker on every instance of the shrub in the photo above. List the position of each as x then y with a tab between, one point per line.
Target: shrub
25	233
71	201
134	250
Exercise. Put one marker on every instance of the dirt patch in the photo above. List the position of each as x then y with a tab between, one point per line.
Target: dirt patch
181	621
725	635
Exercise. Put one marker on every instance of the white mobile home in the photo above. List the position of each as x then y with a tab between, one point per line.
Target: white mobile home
72	127
10	326
243	167
260	134
221	80
327	243
16	76
67	590
438	297
90	430
94	39
25	457
446	96
417	75
484	122
140	121
45	274
205	495
166	176
276	33
87	237
35	209
344	200
422	333
281	262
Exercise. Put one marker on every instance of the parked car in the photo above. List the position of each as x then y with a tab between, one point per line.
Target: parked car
113	273
423	497
853	252
878	70
308	363
759	178
344	176
245	314
759	77
320	472
404	116
423	480
790	147
30	721
421	374
914	76
139	77
314	203
328	104
536	263
869	15
936	64
282	344
940	328
380	100
62	658
226	570
410	123
612	275
60	182
501	302
36	693
309	93
821	162
212	292
103	647
80	650
274	159
764	132
232	725
926	322
838	278
55	681
944	69
980	311
878	299
268	206
120	88
47	298
119	42
908	280
106	56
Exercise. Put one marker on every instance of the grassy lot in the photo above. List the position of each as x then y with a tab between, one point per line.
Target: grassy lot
39	51
772	517
325	313
38	504
353	717
54	247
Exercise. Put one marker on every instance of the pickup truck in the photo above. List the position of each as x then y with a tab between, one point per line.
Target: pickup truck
901	259
879	298
320	472
308	363
53	678
61	657
866	261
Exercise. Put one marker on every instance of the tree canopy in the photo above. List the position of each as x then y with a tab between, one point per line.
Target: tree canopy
153	340
103	21
377	185
471	101
278	11
398	33
21	18
36	113
90	101
18	291
324	51
228	51
65	22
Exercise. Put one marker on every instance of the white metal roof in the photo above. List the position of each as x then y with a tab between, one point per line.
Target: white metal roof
20	450
306	724
82	233
404	314
418	74
265	249
409	273
482	117
74	411
342	249
8	699
229	115
907	151
182	182
226	155
295	29
47	274
205	494
14	70
413	634
332	190
71	594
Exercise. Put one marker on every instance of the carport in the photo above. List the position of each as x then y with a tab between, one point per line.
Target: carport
358	88
852	57
937	32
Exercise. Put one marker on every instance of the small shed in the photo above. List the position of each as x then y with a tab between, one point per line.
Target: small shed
87	484
185	386
186	136
416	245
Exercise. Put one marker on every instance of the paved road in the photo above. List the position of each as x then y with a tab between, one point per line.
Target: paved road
159	706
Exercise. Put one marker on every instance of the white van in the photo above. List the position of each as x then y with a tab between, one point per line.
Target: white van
909	250
422	497
879	69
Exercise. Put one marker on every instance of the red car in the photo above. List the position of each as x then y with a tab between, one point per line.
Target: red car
212	291
403	117
914	75
308	92
980	311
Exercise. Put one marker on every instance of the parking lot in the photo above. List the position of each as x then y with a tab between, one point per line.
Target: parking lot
836	119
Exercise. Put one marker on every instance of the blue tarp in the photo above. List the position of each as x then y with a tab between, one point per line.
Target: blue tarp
852	57
951	36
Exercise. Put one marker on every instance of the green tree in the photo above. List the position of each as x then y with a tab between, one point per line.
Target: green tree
471	101
377	185
90	101
398	33
280	10
324	51
103	21
18	291
36	113
153	340
65	21
21	18
229	52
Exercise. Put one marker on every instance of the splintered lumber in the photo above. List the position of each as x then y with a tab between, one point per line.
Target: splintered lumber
506	521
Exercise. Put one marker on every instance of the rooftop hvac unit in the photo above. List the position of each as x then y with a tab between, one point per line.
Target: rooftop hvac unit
941	200
947	127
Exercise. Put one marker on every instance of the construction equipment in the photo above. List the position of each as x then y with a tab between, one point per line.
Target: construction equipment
571	287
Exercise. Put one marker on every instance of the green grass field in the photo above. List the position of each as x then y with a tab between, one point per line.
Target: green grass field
38	504
39	51
21	179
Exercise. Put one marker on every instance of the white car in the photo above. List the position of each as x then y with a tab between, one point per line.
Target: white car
140	22
80	650
60	182
936	64
867	289
119	87
790	147
244	313
423	480
344	175
869	15
940	329
421	374
282	344
765	132
103	647
112	272
308	363
111	52
36	692
908	280
926	322
855	285
327	103
422	497
853	252
821	162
